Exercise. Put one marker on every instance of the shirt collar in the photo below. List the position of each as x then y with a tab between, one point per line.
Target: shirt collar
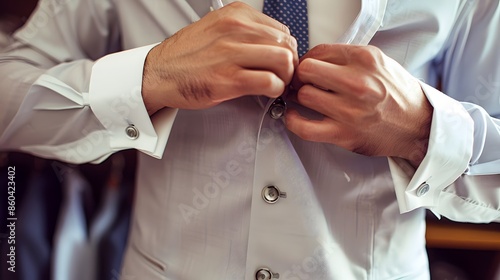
368	21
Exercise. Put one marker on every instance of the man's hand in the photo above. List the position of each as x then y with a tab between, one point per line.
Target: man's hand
371	104
231	52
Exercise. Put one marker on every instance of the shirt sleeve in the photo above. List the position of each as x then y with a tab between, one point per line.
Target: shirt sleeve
70	93
115	98
459	177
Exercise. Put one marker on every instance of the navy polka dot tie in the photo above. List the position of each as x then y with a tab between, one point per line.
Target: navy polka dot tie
292	13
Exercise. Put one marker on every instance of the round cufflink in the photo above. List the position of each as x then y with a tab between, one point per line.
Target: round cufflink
132	132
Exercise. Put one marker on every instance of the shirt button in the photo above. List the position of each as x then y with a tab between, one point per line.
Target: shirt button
266	274
132	132
423	189
277	109
271	194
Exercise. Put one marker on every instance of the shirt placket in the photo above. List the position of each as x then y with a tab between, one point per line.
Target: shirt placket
287	228
285	221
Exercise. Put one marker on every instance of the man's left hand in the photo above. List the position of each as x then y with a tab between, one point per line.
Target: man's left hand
371	104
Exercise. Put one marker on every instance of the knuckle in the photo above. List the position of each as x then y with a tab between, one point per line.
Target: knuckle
285	29
367	89
267	82
379	92
359	85
319	50
305	67
284	56
229	24
239	83
270	83
305	95
291	42
371	90
223	50
288	66
370	56
221	47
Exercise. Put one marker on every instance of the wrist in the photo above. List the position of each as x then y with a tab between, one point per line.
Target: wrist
416	147
153	87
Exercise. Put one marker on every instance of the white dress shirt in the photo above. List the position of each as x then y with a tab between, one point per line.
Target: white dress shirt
200	211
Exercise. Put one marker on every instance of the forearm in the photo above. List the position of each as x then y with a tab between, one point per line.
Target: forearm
38	116
71	112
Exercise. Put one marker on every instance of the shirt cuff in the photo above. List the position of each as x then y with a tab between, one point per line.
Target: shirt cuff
115	97
447	158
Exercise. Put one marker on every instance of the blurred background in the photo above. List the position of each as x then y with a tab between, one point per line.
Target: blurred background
72	221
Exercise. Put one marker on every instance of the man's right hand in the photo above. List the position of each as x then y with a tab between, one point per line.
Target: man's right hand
231	52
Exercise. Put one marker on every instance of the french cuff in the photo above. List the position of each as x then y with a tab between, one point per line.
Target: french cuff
115	98
447	158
